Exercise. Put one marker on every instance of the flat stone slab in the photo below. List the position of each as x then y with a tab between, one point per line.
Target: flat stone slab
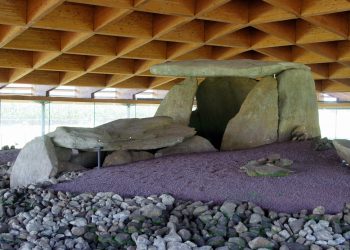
214	68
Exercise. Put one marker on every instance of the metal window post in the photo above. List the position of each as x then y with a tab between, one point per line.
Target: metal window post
42	118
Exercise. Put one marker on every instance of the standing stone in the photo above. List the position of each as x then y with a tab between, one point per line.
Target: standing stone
297	103
343	149
36	162
256	123
195	144
179	101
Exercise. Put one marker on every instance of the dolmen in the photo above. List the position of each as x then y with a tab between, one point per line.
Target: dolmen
240	104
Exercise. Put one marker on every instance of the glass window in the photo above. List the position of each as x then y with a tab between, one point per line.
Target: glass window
71	114
20	122
108	112
343	124
327	118
145	110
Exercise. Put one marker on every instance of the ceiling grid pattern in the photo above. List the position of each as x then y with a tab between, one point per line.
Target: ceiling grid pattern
113	43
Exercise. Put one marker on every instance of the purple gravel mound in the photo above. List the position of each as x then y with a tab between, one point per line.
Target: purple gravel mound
319	178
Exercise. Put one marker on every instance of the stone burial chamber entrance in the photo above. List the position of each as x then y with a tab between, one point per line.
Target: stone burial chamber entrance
242	103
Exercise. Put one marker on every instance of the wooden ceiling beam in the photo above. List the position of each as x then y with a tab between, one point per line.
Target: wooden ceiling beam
36	40
61	18
302	55
175	50
240	39
261	12
40	77
168	7
328	50
158	81
230	12
15	74
38	9
222	53
293	6
16	59
320	71
308	33
8	33
335	86
190	32
117	66
125	4
285	30
261	39
280	53
338	71
321	7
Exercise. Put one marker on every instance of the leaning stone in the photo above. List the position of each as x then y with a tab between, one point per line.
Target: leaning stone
167	199
343	149
178	103
253	126
124	134
195	144
36	162
297	103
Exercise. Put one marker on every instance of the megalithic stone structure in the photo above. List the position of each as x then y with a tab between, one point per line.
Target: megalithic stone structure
246	103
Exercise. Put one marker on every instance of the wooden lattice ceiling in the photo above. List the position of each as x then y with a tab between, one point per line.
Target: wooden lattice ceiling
113	43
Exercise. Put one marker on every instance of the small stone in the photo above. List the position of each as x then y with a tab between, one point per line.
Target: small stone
185	234
315	247
284	234
323	235
216	241
79	222
255	219
296	225
78	231
151	211
228	208
260	242
178	246
167	199
240	228
320	210
172	237
199	210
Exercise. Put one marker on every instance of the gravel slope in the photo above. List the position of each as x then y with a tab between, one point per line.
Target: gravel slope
319	178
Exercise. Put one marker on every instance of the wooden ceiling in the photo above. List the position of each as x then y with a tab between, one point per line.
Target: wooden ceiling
113	43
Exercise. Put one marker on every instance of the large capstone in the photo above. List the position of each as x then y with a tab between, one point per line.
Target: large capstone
297	103
179	101
256	123
213	68
36	162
